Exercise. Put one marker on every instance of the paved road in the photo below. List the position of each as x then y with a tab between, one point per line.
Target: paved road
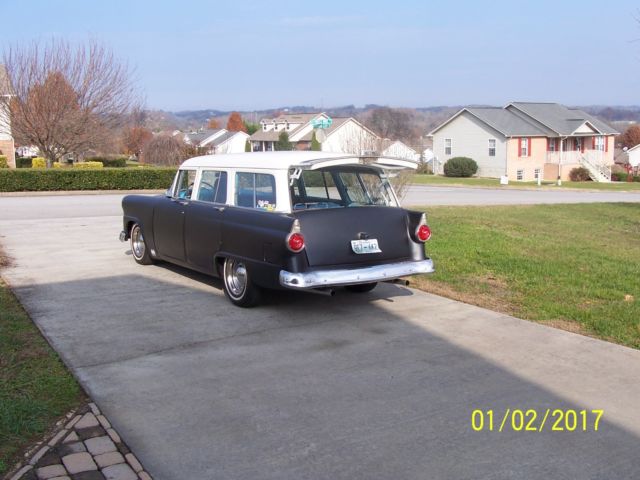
29	206
442	195
379	386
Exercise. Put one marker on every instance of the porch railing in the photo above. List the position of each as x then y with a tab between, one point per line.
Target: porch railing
592	160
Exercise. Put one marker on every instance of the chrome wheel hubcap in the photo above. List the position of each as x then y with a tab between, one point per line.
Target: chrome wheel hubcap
236	277
137	243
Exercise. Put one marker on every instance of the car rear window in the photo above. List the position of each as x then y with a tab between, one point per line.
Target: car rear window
255	190
337	187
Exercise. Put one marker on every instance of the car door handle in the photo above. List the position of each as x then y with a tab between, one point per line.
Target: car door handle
220	209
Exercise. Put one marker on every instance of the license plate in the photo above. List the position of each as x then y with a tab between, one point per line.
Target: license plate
365	246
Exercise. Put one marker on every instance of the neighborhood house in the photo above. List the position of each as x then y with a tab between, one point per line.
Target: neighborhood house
344	135
527	141
216	141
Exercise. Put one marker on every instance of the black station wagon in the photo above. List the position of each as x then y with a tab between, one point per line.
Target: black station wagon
310	221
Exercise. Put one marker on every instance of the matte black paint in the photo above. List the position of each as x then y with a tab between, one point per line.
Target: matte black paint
199	235
328	234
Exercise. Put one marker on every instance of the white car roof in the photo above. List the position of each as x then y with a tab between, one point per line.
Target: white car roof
287	160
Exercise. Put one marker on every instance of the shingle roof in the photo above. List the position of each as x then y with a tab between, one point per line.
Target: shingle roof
599	124
301	119
197	137
294	117
270	136
559	118
534	119
505	122
223	138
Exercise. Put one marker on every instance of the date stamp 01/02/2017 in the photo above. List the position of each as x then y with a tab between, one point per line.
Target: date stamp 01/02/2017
532	420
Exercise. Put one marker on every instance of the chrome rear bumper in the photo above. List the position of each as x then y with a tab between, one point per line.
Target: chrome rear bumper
336	278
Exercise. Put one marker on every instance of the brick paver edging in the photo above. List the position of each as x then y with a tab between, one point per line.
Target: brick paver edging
85	448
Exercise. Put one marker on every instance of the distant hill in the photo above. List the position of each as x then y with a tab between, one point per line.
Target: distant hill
424	118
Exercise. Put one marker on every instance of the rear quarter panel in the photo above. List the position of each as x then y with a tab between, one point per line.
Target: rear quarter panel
258	237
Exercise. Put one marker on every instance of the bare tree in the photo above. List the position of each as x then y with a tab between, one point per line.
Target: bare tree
164	150
393	123
67	99
631	136
362	142
135	139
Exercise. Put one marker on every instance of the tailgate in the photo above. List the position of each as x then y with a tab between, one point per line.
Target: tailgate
328	234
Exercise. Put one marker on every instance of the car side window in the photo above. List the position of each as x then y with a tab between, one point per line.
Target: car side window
255	190
184	186
213	187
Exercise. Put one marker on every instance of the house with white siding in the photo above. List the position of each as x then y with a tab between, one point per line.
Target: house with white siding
527	141
216	141
398	149
634	156
229	142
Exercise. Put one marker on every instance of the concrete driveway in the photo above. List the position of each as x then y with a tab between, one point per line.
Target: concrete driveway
378	386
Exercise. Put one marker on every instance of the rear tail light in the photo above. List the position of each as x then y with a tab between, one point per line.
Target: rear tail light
423	232
295	242
295	239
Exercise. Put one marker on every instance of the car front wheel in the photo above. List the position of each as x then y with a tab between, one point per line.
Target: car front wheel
139	248
238	286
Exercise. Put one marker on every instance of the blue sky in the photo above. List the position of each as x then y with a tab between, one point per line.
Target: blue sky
252	55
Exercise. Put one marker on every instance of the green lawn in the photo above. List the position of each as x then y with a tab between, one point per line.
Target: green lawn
35	387
494	182
572	266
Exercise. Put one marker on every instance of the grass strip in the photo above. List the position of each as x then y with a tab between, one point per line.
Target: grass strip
576	267
36	389
495	183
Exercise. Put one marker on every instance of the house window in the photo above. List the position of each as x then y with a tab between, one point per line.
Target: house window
264	127
553	145
524	147
578	142
536	174
520	175
492	147
600	143
447	146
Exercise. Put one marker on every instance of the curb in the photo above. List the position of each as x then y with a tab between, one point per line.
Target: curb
57	193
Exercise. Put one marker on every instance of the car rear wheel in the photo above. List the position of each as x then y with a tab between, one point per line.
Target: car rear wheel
238	286
139	248
361	287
